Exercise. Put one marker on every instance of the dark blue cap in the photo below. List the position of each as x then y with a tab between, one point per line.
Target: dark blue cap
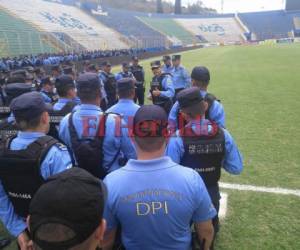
16	89
125	83
88	82
125	65
176	57
64	81
166	58
189	97
155	64
47	80
105	63
153	114
28	106
68	70
200	73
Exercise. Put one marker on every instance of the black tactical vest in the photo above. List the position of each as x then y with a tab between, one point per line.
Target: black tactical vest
57	115
164	102
109	84
4	112
7	129
137	72
89	152
20	171
205	155
209	98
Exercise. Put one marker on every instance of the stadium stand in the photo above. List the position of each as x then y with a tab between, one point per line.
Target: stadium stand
173	30
125	22
55	18
18	37
268	24
223	29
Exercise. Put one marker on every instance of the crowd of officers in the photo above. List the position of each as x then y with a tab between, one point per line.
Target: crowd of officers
89	166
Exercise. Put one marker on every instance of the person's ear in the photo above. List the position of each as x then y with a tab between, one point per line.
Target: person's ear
205	106
45	119
99	233
193	82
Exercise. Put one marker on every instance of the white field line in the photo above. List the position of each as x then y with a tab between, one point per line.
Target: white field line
275	190
223	206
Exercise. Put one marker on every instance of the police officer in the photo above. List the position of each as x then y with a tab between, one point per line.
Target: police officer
162	89
109	82
47	90
204	146
76	210
167	68
69	70
215	112
125	73
89	124
66	91
181	77
21	157
55	71
125	106
158	207
139	74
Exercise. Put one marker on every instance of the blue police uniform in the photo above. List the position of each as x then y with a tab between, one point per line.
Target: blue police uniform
157	208
181	78
168	87
46	98
122	75
216	113
233	161
56	161
126	108
60	103
167	69
116	144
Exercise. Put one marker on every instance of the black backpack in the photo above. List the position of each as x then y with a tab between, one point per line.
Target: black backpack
57	115
89	152
20	171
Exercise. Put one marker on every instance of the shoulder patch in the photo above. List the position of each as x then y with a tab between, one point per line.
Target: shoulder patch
61	146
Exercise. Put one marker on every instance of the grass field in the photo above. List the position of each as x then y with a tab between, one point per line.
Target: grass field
259	88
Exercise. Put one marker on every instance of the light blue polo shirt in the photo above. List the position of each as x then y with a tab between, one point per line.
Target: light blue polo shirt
155	201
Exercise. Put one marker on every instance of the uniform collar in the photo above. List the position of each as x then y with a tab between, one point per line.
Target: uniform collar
125	101
204	128
64	100
150	165
30	135
90	107
203	93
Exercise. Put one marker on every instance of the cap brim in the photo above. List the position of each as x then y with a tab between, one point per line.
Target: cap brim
155	67
48	107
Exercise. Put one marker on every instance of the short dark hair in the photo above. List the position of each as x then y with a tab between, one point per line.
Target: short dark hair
62	91
150	144
201	83
25	124
151	137
125	93
89	96
195	110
